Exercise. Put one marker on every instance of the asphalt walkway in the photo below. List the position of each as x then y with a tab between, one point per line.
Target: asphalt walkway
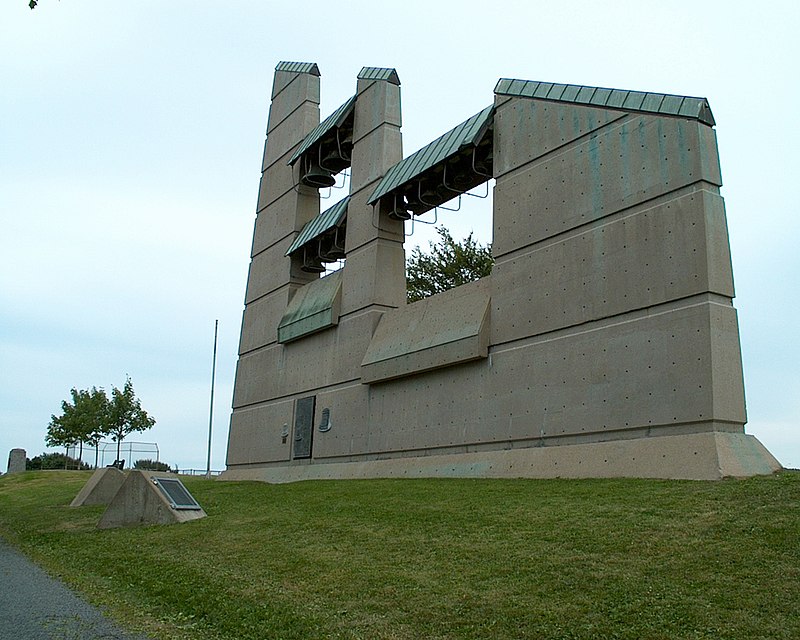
34	606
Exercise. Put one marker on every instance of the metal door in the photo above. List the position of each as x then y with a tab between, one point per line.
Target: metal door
303	426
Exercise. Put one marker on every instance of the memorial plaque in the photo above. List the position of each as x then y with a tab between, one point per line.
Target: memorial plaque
177	495
303	426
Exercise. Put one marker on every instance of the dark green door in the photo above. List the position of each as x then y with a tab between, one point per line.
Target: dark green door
303	426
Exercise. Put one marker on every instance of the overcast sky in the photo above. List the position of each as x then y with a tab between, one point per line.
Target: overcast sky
131	135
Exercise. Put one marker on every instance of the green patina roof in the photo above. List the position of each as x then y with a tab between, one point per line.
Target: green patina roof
299	67
319	225
336	119
661	103
468	132
313	308
379	73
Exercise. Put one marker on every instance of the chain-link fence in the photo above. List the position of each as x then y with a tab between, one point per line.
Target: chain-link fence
105	453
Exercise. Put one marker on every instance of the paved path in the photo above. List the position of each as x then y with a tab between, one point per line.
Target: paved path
34	606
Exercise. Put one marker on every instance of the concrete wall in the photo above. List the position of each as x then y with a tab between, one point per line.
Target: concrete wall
608	317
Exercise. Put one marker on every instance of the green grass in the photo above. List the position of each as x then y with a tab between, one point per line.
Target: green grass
442	558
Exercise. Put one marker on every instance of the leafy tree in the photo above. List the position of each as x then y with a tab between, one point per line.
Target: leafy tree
151	465
84	420
448	264
92	415
54	461
126	415
98	408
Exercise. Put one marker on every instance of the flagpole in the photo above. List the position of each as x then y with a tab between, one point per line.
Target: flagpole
211	410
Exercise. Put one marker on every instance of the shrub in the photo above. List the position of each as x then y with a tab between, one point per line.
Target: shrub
151	465
54	461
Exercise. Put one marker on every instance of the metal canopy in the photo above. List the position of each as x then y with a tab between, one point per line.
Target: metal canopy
333	121
313	308
379	73
660	103
325	221
467	133
299	67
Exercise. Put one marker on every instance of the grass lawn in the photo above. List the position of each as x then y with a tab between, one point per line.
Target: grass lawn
443	558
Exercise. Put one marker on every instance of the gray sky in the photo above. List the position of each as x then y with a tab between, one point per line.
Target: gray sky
131	135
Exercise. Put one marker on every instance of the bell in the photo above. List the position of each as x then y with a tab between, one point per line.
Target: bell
399	214
312	263
313	266
399	210
432	195
456	171
331	248
484	166
334	162
462	178
318	178
415	206
331	252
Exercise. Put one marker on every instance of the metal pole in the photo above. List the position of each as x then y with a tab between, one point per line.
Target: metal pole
211	410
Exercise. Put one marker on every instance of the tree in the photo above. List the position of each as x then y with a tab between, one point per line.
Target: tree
126	415
98	407
91	416
83	420
448	264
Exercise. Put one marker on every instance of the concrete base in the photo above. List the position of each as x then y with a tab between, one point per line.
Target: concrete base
140	502
700	456
100	488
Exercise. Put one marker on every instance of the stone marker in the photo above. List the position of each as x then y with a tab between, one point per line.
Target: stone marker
16	461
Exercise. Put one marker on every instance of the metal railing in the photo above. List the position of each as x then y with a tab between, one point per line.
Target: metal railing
196	472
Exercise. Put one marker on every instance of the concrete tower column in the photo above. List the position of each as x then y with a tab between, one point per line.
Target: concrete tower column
284	206
283	209
374	277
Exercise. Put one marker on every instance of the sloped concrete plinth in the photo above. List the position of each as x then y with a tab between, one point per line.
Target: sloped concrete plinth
140	502
100	488
698	456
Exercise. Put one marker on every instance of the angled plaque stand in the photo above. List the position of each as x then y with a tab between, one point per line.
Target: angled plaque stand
143	500
100	488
